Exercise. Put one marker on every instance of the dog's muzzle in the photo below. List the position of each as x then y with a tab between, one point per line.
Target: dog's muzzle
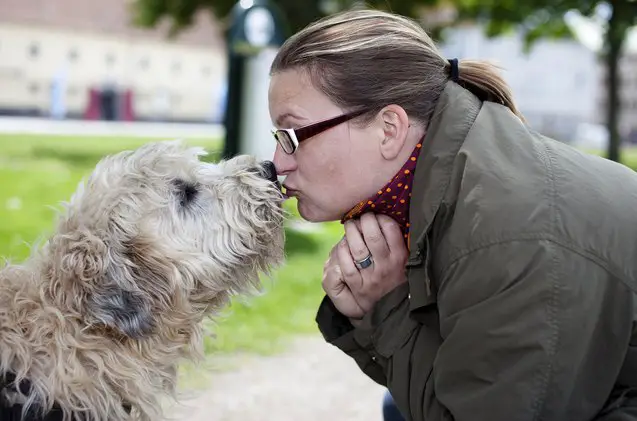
269	172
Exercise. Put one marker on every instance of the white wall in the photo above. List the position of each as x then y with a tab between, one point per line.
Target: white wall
190	77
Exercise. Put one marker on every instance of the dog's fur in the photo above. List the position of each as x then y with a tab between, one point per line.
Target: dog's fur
100	316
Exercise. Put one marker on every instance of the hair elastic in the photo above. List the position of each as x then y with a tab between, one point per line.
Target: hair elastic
454	70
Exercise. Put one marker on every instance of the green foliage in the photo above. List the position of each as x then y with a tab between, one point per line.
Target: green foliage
536	18
38	172
181	13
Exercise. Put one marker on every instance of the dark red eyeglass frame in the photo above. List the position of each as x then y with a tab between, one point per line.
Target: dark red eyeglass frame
289	139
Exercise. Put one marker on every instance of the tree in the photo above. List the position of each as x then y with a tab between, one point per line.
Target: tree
536	18
298	13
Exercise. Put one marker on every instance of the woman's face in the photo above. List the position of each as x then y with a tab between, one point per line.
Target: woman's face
331	172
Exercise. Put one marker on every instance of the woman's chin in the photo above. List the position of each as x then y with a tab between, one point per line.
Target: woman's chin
306	212
312	213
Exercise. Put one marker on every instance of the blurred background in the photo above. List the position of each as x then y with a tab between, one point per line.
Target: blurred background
79	60
80	79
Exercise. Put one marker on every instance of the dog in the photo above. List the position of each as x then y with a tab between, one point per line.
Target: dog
94	324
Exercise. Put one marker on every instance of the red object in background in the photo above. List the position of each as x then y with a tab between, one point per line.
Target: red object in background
93	108
127	113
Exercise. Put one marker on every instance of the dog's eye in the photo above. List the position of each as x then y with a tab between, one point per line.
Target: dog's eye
186	192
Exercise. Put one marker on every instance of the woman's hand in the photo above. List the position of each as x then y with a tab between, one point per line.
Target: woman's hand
353	290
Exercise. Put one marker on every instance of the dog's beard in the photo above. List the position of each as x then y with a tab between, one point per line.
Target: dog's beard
251	240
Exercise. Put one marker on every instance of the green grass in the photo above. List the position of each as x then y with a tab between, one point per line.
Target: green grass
628	155
37	172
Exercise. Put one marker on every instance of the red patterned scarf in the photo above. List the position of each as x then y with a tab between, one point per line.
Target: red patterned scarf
393	199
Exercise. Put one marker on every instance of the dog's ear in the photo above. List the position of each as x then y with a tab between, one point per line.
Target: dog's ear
107	279
124	310
135	289
119	301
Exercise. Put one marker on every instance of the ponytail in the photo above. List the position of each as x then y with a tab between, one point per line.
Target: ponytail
482	79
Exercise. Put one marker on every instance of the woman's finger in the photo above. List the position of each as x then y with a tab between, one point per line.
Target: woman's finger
357	247
340	294
333	281
361	288
374	238
393	236
351	275
355	240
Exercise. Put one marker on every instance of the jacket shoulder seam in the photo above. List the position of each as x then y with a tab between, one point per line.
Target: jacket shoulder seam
545	376
591	256
552	188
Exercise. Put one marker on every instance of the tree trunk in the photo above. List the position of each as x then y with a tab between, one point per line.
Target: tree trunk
615	35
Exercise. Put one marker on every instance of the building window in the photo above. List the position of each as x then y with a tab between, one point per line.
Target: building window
34	50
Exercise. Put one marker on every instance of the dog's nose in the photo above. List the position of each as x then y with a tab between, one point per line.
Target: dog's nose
269	171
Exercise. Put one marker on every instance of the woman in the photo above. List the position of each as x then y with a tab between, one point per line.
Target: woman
486	272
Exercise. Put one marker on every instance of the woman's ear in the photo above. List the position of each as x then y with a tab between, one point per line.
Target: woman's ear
395	129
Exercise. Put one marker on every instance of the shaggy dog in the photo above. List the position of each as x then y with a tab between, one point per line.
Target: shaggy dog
94	324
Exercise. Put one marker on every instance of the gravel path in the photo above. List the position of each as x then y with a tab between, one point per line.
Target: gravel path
311	381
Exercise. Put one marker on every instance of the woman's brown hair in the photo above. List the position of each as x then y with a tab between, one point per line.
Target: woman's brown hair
368	59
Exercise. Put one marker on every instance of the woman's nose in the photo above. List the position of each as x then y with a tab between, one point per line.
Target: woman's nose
283	162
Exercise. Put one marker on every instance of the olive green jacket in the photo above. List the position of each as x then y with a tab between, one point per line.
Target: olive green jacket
520	303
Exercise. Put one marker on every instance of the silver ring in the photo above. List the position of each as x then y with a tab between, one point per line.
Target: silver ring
364	263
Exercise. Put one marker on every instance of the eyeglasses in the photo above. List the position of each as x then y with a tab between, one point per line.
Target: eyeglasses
289	138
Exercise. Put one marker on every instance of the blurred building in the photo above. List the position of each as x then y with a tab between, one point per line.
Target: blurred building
556	85
68	57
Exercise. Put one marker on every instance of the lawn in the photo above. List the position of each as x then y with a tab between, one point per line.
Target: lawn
36	173
629	158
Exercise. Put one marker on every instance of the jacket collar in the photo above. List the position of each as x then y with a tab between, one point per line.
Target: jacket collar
453	117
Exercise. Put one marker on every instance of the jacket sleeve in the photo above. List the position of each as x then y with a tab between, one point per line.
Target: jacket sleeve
531	330
362	343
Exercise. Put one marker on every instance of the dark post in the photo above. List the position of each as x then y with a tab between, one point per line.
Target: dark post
256	25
